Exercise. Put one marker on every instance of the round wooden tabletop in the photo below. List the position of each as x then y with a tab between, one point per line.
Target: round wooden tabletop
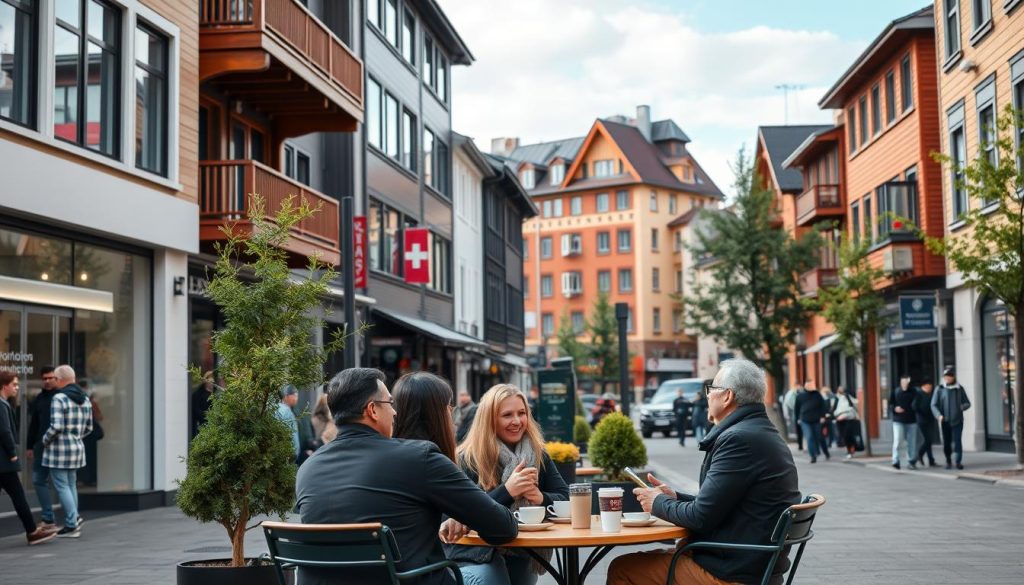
561	535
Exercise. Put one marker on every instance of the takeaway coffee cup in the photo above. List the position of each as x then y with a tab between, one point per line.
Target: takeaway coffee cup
579	503
561	509
610	500
530	514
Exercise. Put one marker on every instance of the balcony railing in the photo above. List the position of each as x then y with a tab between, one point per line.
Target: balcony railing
225	196
291	23
819	202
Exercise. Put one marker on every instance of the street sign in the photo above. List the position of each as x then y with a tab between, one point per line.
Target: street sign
359	250
556	406
417	255
917	312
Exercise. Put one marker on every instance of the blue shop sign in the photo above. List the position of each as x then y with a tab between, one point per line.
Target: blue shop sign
917	312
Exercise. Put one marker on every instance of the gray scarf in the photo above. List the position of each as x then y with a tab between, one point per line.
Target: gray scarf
508	460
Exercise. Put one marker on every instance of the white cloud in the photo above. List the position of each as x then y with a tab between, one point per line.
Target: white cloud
546	69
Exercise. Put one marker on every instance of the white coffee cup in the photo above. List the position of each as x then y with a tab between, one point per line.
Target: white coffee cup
530	514
610	500
561	509
636	516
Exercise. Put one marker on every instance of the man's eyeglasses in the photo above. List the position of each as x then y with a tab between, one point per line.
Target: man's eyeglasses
709	388
391	402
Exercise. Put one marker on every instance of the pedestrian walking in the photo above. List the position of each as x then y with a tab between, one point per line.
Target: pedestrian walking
902	401
810	410
39	421
682	408
700	416
64	452
285	414
10	465
948	405
829	428
789	403
463	415
847	420
927	425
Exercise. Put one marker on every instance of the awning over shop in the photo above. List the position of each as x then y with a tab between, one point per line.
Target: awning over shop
822	344
440	333
511	359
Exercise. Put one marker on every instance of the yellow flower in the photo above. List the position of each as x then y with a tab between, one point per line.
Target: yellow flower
562	452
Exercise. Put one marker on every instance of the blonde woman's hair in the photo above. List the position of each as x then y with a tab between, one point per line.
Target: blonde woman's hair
479	451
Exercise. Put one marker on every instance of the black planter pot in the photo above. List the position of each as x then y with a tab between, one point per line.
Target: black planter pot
629	501
198	573
567	471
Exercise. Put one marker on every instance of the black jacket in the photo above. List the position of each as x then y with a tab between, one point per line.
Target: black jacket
746	481
363	476
907	399
8	439
923	408
551	485
39	419
810	406
682	407
950	402
700	412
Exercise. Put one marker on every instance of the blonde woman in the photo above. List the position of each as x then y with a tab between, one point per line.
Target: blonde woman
504	454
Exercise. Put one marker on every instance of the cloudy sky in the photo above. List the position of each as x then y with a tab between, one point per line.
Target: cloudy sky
546	68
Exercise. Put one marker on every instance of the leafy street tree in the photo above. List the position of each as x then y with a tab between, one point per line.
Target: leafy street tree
752	302
568	345
241	463
854	306
604	340
988	250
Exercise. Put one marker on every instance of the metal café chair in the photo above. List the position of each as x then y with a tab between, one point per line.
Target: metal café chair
341	546
792	529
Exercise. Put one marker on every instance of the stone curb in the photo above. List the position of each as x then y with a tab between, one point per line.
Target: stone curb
964	475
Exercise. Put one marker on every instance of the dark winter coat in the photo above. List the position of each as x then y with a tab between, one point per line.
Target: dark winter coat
907	399
8	439
810	406
746	481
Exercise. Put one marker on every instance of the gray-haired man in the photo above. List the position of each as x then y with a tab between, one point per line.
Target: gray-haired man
748	478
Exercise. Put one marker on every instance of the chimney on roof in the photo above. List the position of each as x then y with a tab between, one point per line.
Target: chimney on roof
504	146
643	121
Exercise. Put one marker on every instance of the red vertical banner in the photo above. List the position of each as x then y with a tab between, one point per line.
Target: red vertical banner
359	250
417	255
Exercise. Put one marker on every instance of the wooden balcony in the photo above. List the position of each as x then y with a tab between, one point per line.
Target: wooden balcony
819	203
279	58
814	280
225	193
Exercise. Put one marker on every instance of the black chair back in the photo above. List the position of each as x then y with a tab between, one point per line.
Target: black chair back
331	546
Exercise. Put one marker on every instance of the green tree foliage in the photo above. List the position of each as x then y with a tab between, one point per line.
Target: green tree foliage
604	339
568	345
580	430
241	463
855	306
616	445
988	250
752	302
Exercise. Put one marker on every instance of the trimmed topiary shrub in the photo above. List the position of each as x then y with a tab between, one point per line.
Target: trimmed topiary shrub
615	445
580	431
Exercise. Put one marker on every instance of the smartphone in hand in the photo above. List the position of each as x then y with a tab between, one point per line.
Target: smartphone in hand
632	475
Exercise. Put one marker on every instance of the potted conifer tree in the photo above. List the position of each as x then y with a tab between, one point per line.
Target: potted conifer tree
614	446
241	465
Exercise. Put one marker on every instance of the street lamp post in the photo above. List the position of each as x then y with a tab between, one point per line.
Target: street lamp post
622	315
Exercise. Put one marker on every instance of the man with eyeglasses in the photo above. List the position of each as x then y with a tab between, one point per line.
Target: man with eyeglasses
746	481
39	421
364	475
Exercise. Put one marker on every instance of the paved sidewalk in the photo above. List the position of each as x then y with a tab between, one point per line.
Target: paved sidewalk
879	526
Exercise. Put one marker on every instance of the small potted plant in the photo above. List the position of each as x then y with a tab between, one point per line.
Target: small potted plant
564	456
614	446
581	433
241	465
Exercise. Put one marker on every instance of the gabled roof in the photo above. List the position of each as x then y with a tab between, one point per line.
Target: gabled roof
807	147
686	217
641	155
542	152
667	130
445	32
505	174
780	142
862	69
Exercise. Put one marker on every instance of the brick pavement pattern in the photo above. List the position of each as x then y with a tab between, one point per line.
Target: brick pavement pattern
879	526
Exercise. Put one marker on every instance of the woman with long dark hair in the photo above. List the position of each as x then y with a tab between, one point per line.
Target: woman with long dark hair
423	402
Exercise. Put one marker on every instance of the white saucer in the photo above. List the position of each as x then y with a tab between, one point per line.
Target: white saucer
636	523
535	527
559	520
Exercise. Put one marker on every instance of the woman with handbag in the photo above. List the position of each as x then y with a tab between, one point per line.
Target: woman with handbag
845	413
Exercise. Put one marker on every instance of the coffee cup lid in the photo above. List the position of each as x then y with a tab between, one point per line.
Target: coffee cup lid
579	488
609	492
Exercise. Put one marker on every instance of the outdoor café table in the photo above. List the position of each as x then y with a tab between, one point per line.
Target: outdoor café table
566	570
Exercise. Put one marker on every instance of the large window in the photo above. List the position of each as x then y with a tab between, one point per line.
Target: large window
384	237
373	113
436	162
602	202
409	38
625	280
547	326
985	98
391	21
604	242
622	200
958	154
851	129
625	238
296	164
391	130
435	68
900	199
876	109
654	201
604	281
863	120
981	14
441	264
855	220
604	168
545	247
409	140
557	174
18	39
150	101
578	322
86	85
952	25
890	97
906	83
547	288
576	206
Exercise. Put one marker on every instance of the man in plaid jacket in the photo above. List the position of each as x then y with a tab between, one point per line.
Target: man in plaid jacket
64	452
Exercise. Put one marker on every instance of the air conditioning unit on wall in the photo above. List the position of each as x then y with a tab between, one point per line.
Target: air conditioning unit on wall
898	259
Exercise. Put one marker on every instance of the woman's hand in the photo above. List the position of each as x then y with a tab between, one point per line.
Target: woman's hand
451	531
534	496
521	480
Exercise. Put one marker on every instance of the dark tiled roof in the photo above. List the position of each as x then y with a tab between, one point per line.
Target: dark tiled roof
686	217
542	152
642	155
780	142
667	130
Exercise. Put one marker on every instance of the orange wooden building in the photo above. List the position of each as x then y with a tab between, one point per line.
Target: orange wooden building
606	202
